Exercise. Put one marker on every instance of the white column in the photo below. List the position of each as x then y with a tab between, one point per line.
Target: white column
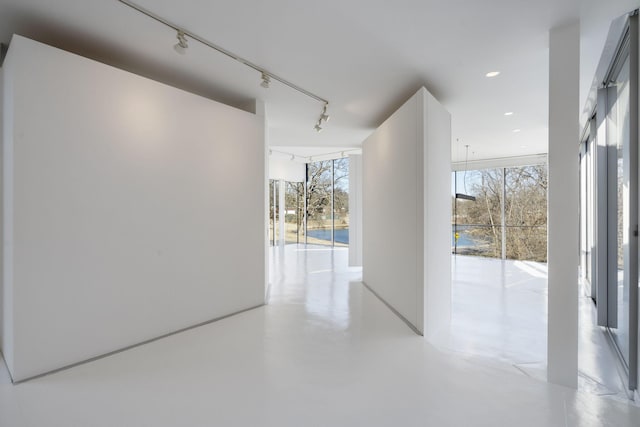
355	210
563	214
260	110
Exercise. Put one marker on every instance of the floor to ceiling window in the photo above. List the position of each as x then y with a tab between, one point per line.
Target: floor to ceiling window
587	212
525	215
619	138
274	211
341	201
294	212
328	202
477	212
609	202
315	211
501	213
320	202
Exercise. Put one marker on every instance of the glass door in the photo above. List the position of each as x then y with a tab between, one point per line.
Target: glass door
609	201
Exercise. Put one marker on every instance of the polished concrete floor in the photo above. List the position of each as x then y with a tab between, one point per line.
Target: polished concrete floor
499	311
325	351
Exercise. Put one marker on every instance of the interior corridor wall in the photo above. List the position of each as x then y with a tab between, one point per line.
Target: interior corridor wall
406	208
132	209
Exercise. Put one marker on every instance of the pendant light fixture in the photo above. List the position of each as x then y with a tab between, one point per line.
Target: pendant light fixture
464	196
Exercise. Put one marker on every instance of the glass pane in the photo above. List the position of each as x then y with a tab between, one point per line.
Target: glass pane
620	119
341	201
319	218
526	212
583	214
272	212
590	211
476	225
294	207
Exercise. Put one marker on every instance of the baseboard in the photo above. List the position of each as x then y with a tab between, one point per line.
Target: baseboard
396	312
129	347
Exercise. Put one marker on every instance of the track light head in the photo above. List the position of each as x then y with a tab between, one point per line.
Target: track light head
266	80
293	157
324	117
183	44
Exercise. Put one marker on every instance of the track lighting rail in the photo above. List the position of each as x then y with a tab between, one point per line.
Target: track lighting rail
222	50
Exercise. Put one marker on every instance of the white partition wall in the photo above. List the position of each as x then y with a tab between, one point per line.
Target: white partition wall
131	209
407	213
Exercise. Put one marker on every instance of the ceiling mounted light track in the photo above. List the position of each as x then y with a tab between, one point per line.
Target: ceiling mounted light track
182	45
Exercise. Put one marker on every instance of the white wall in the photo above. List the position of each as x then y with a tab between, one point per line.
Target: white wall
132	209
6	290
355	210
2	311
406	213
436	170
286	169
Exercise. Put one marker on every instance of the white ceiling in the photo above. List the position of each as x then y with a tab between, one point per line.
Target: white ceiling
365	56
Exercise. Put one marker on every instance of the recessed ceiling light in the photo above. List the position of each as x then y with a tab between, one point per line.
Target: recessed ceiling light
516	130
509	113
492	73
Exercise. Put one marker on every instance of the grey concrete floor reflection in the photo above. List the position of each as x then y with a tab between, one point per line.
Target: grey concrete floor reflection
499	311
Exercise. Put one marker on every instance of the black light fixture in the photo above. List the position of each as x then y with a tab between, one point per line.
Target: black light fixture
465	197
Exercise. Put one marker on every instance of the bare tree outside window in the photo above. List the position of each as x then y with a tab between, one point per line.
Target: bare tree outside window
479	223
